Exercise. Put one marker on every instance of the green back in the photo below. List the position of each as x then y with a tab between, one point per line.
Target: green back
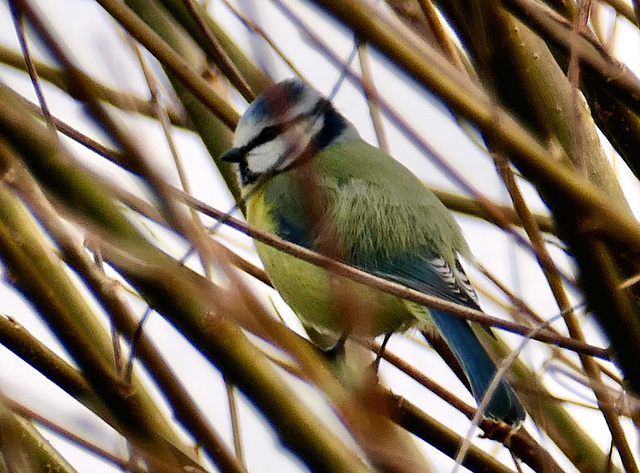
376	207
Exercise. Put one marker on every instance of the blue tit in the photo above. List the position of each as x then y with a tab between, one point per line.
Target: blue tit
309	178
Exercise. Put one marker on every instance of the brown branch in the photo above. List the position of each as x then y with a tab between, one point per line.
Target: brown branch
118	98
614	75
107	292
218	54
171	60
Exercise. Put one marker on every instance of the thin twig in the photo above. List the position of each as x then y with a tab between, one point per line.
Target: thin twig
226	66
579	25
121	99
131	465
254	28
172	60
163	119
18	21
371	95
235	421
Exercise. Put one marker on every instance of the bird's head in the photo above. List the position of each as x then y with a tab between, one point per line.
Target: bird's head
287	122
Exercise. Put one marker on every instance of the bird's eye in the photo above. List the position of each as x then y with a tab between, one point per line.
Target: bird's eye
268	134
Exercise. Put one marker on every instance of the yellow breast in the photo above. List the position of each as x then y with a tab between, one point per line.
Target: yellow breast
326	303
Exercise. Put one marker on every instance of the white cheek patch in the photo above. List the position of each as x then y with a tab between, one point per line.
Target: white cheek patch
266	157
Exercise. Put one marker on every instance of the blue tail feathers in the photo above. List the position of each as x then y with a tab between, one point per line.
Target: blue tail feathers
479	368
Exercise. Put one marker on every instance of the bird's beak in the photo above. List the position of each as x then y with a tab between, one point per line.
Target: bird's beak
233	155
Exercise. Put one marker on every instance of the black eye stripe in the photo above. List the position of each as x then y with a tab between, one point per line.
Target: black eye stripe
270	133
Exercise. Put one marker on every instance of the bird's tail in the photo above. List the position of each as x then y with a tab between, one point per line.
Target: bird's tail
479	369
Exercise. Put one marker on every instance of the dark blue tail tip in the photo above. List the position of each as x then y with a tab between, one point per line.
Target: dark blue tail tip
512	414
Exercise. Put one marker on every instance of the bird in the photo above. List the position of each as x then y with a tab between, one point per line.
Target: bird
309	178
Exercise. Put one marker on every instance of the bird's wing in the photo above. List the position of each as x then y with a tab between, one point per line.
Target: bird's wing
427	273
287	212
292	230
